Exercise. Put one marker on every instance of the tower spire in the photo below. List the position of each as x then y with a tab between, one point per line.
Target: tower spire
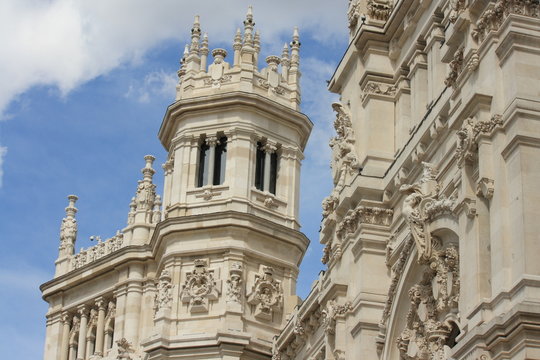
193	61
237	46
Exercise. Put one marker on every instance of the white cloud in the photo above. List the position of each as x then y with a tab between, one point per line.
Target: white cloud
157	83
64	43
3	152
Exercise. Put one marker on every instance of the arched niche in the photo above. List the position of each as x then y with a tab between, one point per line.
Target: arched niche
425	277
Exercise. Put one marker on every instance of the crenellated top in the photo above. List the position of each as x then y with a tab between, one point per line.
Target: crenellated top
279	80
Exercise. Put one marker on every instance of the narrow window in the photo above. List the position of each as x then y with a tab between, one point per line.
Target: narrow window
273	173
259	167
202	173
220	161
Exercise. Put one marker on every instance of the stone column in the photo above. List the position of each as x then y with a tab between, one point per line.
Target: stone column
64	351
100	329
81	346
211	142
132	309
269	149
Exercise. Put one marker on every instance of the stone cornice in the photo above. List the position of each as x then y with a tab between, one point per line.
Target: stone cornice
232	100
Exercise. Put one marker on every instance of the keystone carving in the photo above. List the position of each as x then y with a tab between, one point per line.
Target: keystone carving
266	294
423	204
200	287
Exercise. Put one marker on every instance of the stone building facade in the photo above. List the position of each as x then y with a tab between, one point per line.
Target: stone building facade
430	233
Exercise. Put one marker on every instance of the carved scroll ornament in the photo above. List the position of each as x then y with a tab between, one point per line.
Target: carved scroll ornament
421	206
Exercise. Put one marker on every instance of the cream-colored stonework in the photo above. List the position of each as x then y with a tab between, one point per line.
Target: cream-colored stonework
431	231
430	234
208	271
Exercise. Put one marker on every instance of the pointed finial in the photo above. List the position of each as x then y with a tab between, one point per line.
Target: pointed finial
147	171
71	210
195	36
249	14
257	41
204	44
296	36
237	43
248	27
186	51
285	52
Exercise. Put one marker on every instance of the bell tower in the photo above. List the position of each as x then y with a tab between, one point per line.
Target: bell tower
229	246
209	269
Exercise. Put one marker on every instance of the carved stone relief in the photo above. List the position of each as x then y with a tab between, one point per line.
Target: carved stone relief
217	69
456	66
200	287
421	206
433	310
345	160
163	298
380	9
266	294
493	17
378	89
234	283
467	145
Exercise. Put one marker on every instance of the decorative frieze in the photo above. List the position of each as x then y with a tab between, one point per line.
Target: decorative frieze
266	294
101	249
200	287
377	88
492	18
364	215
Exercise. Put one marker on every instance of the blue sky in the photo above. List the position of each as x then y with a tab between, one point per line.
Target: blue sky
84	88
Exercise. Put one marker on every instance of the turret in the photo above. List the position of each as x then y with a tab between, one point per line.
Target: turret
199	76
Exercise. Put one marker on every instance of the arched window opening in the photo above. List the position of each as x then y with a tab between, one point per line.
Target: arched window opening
454	332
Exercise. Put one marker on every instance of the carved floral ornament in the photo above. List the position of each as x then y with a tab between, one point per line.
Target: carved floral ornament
200	287
266	294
